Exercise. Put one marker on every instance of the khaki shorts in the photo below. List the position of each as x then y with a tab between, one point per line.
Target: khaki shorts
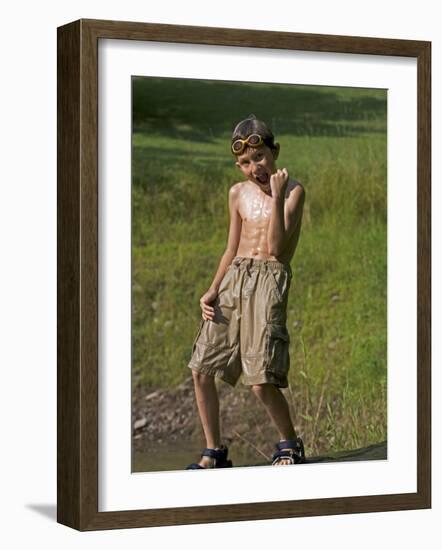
248	334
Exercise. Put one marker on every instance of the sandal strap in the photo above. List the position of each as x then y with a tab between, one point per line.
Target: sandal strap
217	454
293	449
290	455
288	444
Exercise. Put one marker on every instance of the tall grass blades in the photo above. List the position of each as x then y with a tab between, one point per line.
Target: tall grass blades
334	141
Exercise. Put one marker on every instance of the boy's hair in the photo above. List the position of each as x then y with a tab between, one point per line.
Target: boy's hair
251	125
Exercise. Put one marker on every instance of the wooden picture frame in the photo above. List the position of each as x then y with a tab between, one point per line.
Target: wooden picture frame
77	224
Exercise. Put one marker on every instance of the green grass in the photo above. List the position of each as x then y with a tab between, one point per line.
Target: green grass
334	141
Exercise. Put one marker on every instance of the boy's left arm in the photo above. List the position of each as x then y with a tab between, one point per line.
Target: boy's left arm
286	214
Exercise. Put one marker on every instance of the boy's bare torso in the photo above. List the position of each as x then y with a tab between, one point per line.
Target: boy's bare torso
254	207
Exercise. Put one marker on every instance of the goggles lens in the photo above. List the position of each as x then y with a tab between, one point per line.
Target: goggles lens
254	140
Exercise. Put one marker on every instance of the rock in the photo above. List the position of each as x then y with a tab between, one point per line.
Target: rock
152	395
140	423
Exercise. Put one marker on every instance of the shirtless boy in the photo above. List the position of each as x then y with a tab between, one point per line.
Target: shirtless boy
244	312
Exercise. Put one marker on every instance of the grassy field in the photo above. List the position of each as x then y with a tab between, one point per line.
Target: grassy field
334	141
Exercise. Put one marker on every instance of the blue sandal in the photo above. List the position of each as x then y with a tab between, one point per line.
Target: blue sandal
291	449
219	456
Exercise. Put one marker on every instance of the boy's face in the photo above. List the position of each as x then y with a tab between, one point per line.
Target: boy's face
257	164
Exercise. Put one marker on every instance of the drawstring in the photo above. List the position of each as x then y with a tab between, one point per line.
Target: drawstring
248	266
249	263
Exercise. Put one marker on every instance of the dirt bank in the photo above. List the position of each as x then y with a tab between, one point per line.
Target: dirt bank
171	416
168	419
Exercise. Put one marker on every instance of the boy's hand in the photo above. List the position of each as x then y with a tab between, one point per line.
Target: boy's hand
278	182
208	311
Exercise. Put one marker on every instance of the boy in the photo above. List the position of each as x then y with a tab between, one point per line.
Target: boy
244	311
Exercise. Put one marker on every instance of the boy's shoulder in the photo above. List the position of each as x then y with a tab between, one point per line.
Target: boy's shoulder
238	185
235	189
292	184
296	187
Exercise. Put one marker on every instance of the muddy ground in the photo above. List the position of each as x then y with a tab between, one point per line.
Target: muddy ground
166	422
171	416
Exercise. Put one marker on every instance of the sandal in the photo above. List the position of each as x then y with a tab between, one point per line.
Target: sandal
291	449
219	456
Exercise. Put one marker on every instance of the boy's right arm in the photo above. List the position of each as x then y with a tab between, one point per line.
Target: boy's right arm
208	312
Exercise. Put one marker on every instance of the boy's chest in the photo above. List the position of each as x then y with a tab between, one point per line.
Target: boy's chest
255	207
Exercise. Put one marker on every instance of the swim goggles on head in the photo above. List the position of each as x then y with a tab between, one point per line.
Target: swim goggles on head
254	140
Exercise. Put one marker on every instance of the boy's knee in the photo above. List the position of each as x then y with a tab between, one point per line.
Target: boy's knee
202	379
263	390
259	389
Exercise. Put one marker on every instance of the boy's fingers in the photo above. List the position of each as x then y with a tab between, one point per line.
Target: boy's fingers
207	302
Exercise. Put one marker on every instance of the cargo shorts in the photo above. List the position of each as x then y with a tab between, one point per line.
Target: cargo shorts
248	334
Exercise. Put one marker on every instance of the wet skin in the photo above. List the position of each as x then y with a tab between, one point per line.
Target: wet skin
265	222
265	216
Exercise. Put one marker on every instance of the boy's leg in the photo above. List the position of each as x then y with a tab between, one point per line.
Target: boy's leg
216	352
265	341
208	407
277	408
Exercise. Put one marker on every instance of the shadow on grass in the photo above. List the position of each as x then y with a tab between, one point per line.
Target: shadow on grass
202	111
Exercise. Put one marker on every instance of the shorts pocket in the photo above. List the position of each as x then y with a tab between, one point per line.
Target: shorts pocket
280	283
198	335
278	342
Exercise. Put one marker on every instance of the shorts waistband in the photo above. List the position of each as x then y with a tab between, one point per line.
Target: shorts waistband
259	265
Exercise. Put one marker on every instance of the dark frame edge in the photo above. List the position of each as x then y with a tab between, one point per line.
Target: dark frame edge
68	274
329	43
424	274
77	277
128	519
77	218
